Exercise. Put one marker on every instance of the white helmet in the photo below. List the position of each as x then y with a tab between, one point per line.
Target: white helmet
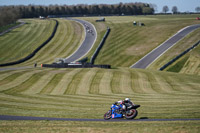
127	99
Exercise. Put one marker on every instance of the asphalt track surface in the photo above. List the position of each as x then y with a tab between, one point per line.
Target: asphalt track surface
15	68
157	52
87	44
8	117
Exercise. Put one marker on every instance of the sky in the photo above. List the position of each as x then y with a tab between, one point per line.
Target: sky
182	5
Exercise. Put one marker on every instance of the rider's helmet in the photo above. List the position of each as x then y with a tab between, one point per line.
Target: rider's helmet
120	102
127	100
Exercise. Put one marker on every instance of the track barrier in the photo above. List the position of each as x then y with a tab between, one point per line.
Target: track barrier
66	65
177	57
100	46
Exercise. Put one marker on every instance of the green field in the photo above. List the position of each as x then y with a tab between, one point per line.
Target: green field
126	43
88	93
22	41
99	127
189	63
68	37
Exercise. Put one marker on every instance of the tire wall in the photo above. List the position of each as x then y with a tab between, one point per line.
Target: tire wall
100	46
75	66
35	51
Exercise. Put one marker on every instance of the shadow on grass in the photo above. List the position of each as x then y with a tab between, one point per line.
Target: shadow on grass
142	118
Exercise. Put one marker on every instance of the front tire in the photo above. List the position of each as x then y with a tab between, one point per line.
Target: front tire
107	115
131	114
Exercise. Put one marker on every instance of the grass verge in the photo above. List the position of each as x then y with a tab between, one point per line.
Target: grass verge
99	127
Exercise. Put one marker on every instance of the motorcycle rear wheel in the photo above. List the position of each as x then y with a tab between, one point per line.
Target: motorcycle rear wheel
107	115
132	114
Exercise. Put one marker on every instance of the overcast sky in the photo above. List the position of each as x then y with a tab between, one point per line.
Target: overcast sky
183	5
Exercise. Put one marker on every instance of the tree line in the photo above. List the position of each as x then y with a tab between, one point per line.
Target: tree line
175	9
81	9
8	15
11	13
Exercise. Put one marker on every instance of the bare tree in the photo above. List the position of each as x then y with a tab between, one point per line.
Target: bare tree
154	6
165	9
174	9
197	9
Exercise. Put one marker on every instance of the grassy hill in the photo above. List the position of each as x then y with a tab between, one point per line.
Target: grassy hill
88	93
22	41
189	63
60	92
68	37
126	43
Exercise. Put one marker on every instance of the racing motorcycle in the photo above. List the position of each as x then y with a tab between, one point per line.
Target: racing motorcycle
116	111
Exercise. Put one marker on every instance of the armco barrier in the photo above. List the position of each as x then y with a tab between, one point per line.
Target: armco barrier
177	57
66	65
100	46
35	51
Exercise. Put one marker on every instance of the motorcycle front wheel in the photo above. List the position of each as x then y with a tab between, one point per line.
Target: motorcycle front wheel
107	115
131	114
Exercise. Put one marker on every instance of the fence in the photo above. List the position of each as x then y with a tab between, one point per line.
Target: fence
177	57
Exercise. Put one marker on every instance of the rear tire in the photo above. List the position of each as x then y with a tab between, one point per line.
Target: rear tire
132	114
107	115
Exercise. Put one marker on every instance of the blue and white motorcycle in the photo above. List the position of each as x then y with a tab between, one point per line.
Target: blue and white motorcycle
117	112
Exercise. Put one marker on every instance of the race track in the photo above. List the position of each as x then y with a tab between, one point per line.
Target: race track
87	44
157	52
8	117
85	47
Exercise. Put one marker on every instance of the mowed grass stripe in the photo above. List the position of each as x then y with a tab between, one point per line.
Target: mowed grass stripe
52	83
95	84
24	85
161	82
145	84
154	83
85	83
177	82
37	87
115	82
135	82
125	82
11	44
14	35
73	85
37	38
64	82
10	78
29	39
105	86
19	80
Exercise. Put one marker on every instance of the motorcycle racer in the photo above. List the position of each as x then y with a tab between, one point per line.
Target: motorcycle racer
122	109
126	103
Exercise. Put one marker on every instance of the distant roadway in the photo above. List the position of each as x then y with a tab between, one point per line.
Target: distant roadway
87	44
157	52
12	28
